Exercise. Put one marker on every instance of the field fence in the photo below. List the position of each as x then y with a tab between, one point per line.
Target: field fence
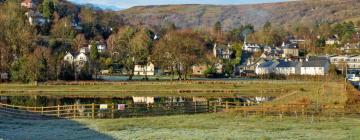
110	111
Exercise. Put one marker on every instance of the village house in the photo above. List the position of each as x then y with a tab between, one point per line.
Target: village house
69	58
288	68
248	64
101	47
199	70
148	69
222	51
271	53
332	40
266	67
319	67
289	50
78	61
29	4
35	18
345	61
251	47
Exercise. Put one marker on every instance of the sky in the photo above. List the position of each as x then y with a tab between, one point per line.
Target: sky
124	4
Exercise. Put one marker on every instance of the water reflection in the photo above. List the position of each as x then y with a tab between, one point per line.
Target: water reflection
54	101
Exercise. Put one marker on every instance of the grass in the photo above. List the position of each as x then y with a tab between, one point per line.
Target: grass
224	126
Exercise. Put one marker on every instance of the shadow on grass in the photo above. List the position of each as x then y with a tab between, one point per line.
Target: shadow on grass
13	129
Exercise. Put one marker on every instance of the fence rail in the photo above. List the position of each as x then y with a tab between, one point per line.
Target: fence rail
96	111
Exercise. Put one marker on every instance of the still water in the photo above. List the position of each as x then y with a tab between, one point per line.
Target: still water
63	100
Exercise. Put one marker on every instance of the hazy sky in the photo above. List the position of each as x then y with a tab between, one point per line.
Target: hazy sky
123	4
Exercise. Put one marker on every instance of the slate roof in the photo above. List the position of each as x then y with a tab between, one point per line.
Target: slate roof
266	64
287	64
318	63
318	58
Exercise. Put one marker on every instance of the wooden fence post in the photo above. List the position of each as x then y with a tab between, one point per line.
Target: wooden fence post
58	111
215	107
112	110
195	107
74	111
227	105
93	110
208	106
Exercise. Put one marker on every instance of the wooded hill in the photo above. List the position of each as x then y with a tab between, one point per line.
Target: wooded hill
232	16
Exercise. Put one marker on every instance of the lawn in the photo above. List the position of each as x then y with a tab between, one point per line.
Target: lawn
202	126
225	126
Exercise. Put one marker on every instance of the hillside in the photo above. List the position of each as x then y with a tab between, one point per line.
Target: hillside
285	13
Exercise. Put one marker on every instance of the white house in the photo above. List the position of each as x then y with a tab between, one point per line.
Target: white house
251	47
199	69
289	50
266	67
80	60
222	51
148	69
351	62
332	40
69	58
288	68
100	47
320	67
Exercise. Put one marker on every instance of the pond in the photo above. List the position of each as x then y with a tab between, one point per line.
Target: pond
38	101
127	106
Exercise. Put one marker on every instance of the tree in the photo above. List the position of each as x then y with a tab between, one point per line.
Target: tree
63	31
178	51
15	30
133	46
79	42
94	56
239	34
47	8
320	42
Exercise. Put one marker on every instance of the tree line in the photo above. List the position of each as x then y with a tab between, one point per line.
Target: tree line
35	53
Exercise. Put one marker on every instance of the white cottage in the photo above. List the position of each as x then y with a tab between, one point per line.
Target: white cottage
251	47
148	69
266	68
320	67
69	58
288	68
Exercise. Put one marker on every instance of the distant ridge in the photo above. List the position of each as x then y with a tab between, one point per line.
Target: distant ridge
283	13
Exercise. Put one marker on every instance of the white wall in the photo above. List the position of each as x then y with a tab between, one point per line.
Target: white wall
148	69
313	71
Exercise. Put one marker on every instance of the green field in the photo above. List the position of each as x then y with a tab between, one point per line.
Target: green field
203	126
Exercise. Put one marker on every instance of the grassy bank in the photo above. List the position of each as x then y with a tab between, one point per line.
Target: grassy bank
225	126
